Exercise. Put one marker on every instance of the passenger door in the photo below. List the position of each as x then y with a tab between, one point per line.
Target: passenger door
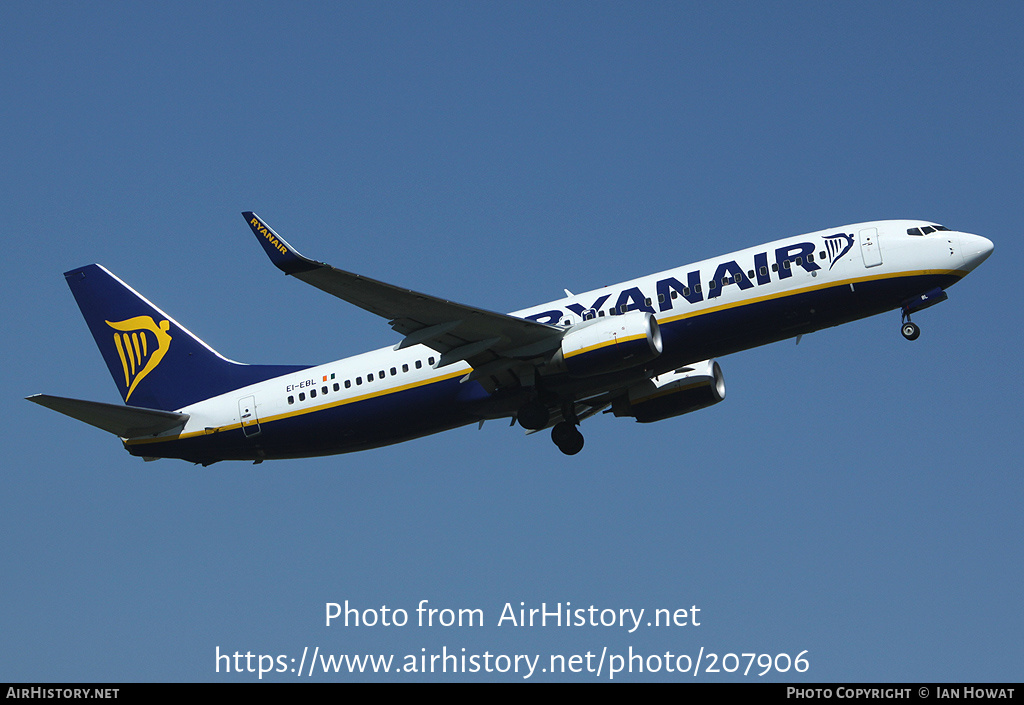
869	247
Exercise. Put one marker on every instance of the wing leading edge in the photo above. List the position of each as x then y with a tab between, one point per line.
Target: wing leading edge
490	342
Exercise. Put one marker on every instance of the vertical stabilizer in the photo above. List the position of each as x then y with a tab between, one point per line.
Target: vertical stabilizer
155	362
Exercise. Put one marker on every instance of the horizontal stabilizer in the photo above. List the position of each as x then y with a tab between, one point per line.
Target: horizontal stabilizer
123	421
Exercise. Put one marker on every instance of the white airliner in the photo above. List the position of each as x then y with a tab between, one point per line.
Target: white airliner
644	348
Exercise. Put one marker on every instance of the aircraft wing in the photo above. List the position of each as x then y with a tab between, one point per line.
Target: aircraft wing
485	339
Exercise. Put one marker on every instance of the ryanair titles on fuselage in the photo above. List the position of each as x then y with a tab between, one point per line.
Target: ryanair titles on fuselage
727	273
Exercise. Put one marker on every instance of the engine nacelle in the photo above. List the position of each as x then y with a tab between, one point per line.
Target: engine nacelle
609	344
673	394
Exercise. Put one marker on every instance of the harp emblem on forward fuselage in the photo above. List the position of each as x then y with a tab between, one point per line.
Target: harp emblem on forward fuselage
836	246
141	344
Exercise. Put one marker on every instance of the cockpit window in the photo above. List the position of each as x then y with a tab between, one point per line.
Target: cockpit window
926	230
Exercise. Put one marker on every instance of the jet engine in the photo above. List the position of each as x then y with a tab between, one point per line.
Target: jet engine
609	344
680	392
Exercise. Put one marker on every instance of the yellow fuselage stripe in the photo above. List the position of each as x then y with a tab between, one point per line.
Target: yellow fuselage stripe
461	372
303	411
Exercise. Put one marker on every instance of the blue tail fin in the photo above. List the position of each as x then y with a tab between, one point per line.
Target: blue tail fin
155	362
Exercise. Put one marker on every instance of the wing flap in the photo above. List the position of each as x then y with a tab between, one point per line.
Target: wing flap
123	421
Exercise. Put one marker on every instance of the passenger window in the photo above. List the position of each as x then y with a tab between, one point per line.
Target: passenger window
810	258
775	267
430	360
419	364
696	289
405	368
302	396
763	271
324	390
712	285
821	255
369	377
799	261
291	399
337	387
312	394
381	375
359	380
787	264
661	298
348	384
750	274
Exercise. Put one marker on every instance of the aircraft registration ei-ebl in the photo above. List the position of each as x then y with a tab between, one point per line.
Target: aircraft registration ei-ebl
644	348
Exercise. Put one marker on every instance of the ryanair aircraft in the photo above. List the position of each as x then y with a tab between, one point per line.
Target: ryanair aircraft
643	348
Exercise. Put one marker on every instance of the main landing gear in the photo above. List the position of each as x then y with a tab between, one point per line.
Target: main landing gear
565	433
567	437
534	416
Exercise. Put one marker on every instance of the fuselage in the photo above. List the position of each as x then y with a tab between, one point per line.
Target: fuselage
705	310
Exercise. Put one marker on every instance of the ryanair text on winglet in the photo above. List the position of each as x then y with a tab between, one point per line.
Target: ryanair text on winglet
262	230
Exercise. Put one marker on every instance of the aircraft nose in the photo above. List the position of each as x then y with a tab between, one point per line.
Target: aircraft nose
975	249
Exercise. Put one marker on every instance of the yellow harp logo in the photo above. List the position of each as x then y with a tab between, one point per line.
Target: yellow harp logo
142	344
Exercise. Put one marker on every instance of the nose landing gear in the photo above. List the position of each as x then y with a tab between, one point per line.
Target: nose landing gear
910	330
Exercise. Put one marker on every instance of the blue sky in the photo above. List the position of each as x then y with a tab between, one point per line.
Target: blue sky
857	496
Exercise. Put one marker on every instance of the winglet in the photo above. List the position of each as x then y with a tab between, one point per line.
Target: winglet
283	255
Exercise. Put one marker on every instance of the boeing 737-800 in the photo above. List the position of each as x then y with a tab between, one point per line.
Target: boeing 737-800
644	348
